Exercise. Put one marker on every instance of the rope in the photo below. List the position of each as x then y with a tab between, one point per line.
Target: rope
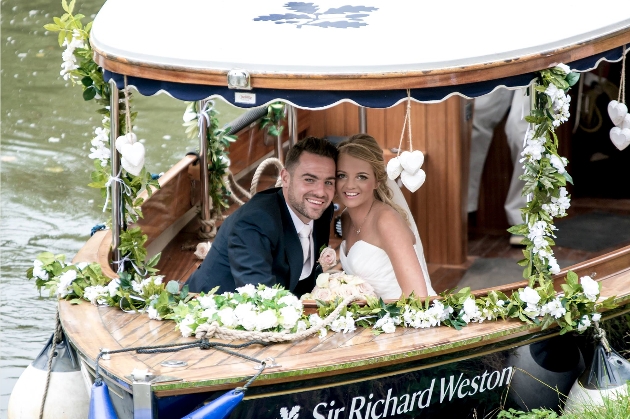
213	229
622	83
260	169
237	186
213	330
127	108
231	193
601	335
176	347
407	120
55	340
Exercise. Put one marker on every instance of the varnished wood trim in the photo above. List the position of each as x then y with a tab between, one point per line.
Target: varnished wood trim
375	81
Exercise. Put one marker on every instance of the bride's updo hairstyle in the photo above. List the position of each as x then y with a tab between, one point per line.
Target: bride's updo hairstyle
364	147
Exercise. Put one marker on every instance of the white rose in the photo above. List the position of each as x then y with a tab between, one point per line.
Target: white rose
564	68
291	301
388	327
529	296
153	314
290	316
322	280
591	287
596	317
65	281
266	320
157	280
248	289
268	293
301	326
227	317
207	301
112	287
185	324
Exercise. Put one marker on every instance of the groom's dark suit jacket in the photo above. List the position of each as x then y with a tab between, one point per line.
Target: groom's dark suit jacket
258	244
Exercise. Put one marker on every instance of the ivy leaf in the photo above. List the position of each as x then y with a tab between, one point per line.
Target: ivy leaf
89	93
572	78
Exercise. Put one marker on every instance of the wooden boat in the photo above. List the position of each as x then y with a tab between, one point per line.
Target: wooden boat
410	373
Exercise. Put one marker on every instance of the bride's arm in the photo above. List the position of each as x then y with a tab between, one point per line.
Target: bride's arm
397	240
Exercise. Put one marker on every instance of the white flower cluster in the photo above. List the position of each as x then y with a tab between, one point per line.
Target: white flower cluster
590	287
39	271
69	60
343	324
387	323
98	294
421	319
560	104
141	287
100	146
531	298
250	308
558	206
538	233
534	147
553	308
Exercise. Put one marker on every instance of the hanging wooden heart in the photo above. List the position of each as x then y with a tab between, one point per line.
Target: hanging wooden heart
413	182
617	112
411	161
394	168
626	122
620	137
132	158
129	138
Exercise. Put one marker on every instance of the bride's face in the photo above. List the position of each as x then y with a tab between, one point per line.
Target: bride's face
355	181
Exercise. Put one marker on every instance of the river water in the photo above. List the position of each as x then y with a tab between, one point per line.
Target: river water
46	204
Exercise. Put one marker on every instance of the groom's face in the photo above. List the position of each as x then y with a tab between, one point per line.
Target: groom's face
310	186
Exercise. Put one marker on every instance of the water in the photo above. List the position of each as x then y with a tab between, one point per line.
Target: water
45	202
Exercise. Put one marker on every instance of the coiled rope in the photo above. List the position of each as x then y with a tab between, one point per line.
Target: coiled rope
261	168
55	340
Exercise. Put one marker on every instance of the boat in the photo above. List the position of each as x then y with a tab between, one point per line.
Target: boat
329	71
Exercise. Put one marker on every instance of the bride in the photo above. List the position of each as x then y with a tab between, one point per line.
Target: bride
380	243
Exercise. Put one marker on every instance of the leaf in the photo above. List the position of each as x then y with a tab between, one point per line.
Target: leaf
52	27
76	301
572	78
64	4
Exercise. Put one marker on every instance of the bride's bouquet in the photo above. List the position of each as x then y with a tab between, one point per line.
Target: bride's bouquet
330	286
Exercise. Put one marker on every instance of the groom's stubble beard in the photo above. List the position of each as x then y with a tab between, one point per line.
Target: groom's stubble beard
299	206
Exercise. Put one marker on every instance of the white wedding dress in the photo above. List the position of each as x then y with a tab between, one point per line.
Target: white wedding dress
372	264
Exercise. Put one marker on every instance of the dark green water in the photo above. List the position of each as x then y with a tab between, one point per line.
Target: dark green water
45	202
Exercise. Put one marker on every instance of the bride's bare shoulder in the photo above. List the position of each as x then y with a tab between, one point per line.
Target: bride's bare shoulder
390	223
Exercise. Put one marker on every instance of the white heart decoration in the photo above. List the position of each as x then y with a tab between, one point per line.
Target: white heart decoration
413	181
626	122
617	112
394	168
411	161
132	157
620	137
129	138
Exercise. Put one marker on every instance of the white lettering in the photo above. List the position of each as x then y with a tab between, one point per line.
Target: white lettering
428	392
474	385
465	382
337	411
373	414
509	375
496	381
356	410
403	408
483	378
316	414
451	388
389	399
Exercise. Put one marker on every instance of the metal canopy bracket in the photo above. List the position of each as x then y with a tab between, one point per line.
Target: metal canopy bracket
238	79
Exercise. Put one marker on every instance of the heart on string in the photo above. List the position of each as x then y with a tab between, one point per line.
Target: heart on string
411	161
132	158
626	122
413	182
617	112
620	137
129	138
394	168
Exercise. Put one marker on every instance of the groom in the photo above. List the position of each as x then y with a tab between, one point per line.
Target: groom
275	237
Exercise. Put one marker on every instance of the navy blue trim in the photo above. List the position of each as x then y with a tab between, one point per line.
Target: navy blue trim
323	98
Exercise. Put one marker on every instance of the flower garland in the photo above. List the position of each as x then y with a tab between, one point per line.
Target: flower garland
545	174
277	310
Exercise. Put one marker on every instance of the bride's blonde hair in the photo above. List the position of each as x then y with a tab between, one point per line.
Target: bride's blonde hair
364	147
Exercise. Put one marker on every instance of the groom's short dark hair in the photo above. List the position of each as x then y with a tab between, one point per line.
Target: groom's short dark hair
314	145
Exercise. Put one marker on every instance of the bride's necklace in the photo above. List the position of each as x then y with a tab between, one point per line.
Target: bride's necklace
358	230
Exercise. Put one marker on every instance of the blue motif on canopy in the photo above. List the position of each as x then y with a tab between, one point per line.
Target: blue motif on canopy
308	14
313	99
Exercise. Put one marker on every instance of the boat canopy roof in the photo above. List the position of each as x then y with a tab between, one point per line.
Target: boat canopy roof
365	51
